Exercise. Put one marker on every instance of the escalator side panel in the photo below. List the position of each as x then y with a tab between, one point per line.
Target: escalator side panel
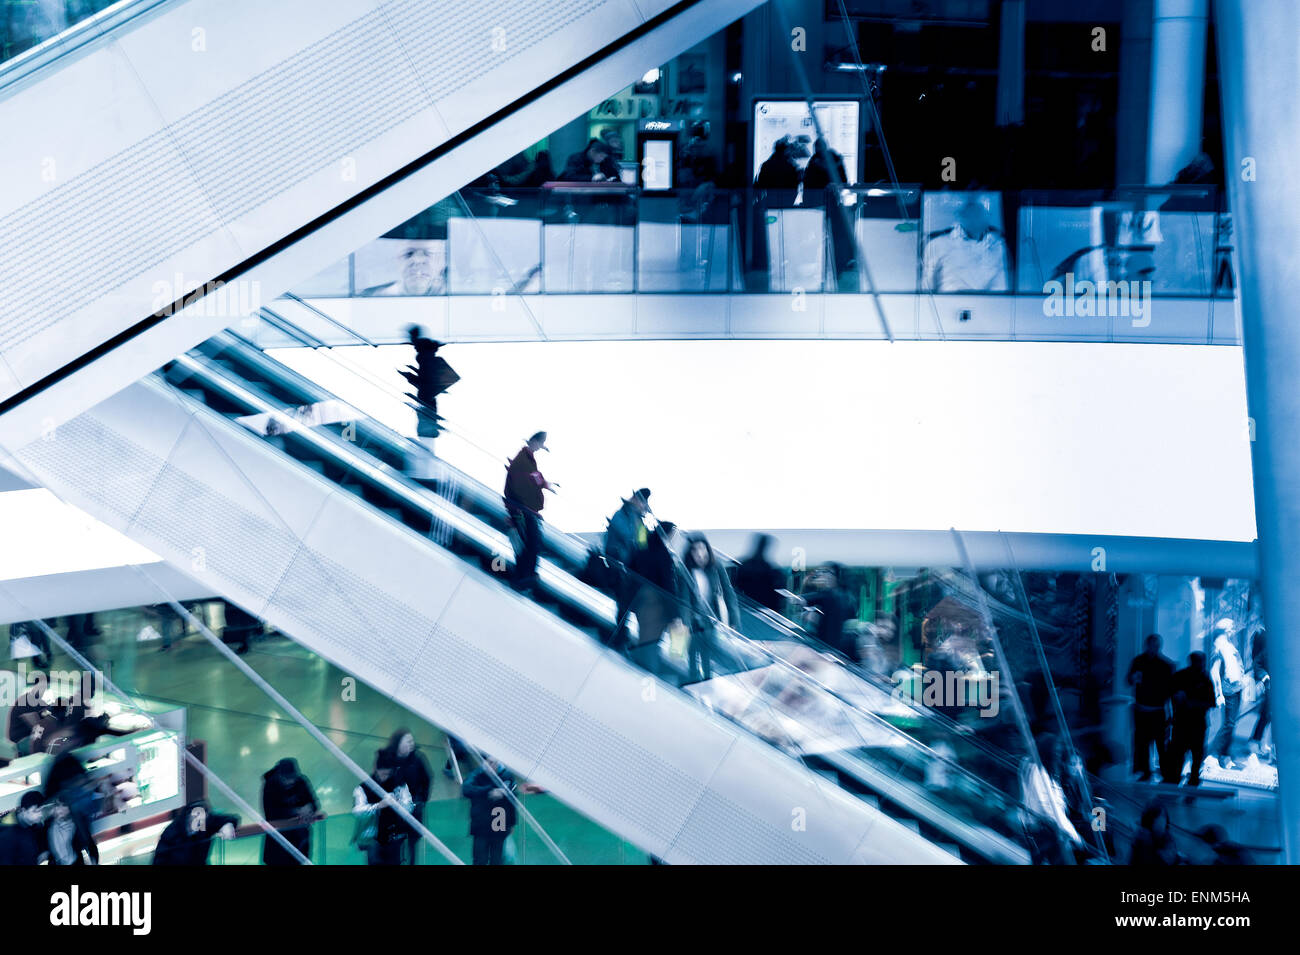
261	175
418	625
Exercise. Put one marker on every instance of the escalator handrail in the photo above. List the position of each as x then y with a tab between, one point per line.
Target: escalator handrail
571	548
414	498
52	49
489	539
877	681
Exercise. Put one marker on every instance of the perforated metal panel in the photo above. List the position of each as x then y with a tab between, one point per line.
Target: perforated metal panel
416	623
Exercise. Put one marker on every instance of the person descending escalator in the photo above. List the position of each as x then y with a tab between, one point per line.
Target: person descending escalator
714	605
431	376
833	606
758	578
626	535
523	499
662	597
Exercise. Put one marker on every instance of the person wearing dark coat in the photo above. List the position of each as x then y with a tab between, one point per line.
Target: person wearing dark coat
24	843
625	537
1151	675
834	606
381	831
1193	698
662	596
240	627
779	171
492	814
1259	670
188	837
430	375
1154	843
287	796
758	579
523	499
593	164
825	169
413	770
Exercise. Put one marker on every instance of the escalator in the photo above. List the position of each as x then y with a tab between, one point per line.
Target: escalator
173	163
310	528
829	719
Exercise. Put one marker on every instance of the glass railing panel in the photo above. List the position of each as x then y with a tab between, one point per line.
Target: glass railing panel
1050	250
888	237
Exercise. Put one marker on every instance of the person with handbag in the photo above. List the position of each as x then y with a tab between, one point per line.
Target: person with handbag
431	376
380	831
661	596
626	535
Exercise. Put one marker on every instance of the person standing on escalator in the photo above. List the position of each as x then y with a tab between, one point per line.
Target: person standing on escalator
523	498
713	605
626	536
431	376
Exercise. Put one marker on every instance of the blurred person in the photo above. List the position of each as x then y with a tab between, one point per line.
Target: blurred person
824	170
1193	698
1263	693
758	578
27	640
287	796
713	602
431	376
541	171
1228	673
1226	852
626	536
1052	835
68	835
662	594
24	842
380	832
833	604
613	141
1152	676
240	627
698	167
170	624
413	770
1154	842
492	813
779	171
524	502
969	257
188	838
697	174
592	164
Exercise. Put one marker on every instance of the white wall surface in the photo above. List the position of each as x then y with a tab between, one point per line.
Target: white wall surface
1058	438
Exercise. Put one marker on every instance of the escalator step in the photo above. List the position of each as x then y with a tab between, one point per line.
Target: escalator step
871	801
910	824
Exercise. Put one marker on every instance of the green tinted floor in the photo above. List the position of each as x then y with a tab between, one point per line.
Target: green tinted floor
246	733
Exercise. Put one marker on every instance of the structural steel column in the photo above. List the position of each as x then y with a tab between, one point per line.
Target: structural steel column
1259	62
1177	87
